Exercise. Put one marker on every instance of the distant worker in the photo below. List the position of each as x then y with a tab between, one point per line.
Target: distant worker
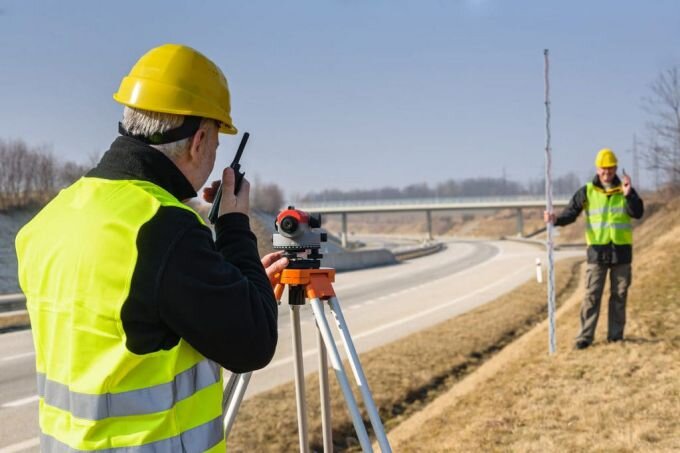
609	204
133	306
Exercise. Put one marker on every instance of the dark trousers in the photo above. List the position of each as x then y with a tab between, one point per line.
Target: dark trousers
620	278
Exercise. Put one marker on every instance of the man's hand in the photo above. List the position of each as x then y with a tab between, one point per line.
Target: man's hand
549	217
626	184
209	193
274	263
229	202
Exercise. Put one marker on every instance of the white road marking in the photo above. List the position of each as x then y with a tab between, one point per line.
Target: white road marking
17	356
22	401
21	446
446	304
420	314
289	359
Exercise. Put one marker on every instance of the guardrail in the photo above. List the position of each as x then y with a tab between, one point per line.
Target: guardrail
9	302
420	206
500	200
418	251
13	314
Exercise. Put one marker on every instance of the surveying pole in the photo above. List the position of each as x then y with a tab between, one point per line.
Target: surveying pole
552	342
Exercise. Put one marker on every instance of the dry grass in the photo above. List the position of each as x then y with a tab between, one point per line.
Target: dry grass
405	375
610	397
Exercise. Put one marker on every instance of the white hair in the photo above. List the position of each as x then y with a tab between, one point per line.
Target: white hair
147	123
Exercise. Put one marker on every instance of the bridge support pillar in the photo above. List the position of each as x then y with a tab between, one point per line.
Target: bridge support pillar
429	225
343	235
520	223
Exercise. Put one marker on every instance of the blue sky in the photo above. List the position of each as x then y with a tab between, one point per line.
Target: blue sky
349	94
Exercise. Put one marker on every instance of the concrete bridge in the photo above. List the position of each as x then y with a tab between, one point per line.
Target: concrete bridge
343	208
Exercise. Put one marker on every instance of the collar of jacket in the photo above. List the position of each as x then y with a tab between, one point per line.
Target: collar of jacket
132	159
615	188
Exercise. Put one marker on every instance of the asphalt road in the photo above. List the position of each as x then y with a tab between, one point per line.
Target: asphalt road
380	305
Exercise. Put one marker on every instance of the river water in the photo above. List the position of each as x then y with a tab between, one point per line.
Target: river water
10	224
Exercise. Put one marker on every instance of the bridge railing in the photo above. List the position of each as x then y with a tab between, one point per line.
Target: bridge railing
426	201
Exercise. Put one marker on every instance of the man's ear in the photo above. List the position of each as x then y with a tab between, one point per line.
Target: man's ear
196	143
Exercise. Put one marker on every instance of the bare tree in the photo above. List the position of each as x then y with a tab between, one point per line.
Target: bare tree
266	197
32	175
69	172
663	105
44	175
14	184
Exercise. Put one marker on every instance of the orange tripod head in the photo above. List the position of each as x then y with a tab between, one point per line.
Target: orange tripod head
317	283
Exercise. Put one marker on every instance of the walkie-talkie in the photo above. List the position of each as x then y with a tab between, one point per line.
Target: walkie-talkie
239	178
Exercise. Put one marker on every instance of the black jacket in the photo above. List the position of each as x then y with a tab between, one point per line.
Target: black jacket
213	294
609	253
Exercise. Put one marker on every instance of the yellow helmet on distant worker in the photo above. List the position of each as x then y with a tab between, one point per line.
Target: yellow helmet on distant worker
605	158
177	79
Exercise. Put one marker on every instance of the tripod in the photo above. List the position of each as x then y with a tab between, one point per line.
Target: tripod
316	286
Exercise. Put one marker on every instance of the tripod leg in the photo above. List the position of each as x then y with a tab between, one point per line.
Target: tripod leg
336	362
231	401
359	376
324	395
228	392
299	378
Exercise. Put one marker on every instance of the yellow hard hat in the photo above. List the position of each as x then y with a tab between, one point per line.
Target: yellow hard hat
606	158
177	79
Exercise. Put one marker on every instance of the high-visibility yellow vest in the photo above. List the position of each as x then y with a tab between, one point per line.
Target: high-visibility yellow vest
606	217
76	260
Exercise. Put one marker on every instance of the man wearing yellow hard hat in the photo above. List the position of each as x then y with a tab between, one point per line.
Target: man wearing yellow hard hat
609	204
134	307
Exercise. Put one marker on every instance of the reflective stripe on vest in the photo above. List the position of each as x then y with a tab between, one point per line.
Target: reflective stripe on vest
606	210
134	402
76	262
199	439
607	220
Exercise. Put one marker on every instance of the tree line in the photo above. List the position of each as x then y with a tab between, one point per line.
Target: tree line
32	175
471	187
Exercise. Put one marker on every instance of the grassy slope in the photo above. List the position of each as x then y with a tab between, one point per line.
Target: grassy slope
610	397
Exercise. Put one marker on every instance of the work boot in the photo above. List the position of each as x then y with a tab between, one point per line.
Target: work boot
614	339
581	344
